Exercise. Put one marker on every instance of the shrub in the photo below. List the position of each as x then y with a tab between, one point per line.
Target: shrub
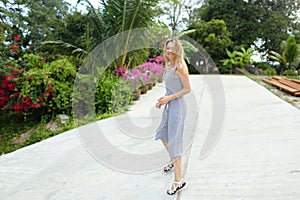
113	94
270	71
262	65
32	85
289	72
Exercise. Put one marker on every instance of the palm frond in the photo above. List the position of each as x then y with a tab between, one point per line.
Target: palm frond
67	49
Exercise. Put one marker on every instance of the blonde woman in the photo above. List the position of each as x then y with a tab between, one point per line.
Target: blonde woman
171	127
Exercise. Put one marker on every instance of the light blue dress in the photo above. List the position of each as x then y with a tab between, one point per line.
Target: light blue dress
173	117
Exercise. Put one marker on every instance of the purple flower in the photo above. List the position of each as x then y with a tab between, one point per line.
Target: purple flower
120	71
160	59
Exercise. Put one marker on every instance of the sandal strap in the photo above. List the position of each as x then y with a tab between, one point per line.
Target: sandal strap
179	182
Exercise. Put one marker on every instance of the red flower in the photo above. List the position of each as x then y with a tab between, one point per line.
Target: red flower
27	100
2	92
42	59
50	88
10	78
4	83
16	95
13	72
36	105
12	86
14	48
40	99
46	94
18	107
4	100
17	38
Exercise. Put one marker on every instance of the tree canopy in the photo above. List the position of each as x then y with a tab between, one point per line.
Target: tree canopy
270	20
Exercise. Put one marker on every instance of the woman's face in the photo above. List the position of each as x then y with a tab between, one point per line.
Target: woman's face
170	50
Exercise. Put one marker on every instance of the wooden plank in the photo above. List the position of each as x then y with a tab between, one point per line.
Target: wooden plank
290	83
276	77
281	86
296	81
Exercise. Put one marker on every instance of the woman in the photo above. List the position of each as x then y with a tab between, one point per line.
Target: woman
171	128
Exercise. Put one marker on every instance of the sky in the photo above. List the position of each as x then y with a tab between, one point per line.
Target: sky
95	3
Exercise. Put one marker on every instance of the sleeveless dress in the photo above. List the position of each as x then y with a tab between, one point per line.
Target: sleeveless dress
172	123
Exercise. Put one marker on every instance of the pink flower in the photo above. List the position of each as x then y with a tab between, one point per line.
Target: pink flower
120	71
159	59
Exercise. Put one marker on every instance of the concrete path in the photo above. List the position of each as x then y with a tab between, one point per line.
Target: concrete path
256	156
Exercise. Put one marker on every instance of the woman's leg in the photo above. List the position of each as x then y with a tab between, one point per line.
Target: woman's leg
166	144
177	168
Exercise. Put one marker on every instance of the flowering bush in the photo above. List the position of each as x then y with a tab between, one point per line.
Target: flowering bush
31	84
147	72
158	59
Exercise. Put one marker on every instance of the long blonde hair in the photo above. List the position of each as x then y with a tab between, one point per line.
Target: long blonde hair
178	51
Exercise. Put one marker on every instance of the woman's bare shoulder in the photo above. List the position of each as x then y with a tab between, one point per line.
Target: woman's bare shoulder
182	69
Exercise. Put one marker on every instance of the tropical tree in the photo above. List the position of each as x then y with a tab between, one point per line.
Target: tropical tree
34	20
269	20
213	36
290	56
116	16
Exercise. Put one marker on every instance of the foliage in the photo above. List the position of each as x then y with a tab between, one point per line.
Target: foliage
270	71
252	19
113	94
290	56
261	65
35	85
289	72
213	36
237	59
25	17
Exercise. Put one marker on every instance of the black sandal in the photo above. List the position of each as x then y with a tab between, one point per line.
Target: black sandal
173	188
168	167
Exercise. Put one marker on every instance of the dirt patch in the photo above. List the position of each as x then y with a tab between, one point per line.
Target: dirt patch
20	140
295	101
53	126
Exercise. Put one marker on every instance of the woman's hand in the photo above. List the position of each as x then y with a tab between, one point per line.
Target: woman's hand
164	100
158	105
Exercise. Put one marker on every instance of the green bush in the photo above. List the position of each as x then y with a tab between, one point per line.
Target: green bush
262	65
226	69
289	72
48	85
270	71
113	94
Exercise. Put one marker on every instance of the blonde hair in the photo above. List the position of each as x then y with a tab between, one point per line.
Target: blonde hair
178	51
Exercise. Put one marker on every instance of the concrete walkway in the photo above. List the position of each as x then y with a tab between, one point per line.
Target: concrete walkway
256	156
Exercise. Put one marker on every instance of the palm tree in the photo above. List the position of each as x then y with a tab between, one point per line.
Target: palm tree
116	16
290	56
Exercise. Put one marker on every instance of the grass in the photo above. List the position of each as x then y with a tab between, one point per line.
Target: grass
17	132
